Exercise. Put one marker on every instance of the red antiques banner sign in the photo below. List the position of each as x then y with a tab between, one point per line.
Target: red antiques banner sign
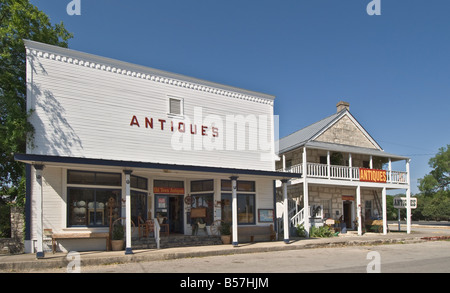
372	175
168	190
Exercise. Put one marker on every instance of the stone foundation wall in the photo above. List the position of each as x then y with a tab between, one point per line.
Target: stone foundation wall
15	244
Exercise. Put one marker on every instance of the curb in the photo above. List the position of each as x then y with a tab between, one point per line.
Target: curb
60	262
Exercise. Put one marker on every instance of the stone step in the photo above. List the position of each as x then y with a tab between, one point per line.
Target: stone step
176	241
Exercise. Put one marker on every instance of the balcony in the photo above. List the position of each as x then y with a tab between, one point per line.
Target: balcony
324	171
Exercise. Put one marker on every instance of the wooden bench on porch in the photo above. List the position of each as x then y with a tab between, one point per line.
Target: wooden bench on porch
249	233
78	235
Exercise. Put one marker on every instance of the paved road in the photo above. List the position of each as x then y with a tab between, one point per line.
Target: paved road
428	257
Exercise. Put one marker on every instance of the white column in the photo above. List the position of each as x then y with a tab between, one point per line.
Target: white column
328	164
408	199
358	209
305	193
390	170
39	213
350	165
128	249
286	212
234	210
371	162
383	203
284	163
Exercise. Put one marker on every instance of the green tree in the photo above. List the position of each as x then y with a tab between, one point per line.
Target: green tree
438	180
19	20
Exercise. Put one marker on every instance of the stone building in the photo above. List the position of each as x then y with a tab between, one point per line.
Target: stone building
345	177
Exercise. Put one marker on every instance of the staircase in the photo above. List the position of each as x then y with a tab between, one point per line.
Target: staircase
175	240
295	216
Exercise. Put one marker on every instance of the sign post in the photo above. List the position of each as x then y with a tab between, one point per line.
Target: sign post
400	203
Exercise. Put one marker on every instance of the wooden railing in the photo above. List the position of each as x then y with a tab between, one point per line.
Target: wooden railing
316	170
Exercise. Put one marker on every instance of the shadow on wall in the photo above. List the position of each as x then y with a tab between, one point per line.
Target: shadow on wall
57	136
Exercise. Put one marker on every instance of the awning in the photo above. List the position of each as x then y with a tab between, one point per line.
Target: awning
45	159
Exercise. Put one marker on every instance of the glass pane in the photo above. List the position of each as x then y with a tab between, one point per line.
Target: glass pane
226	185
138	206
246	208
99	212
81	177
138	182
202	185
110	179
204	201
246	186
78	206
226	207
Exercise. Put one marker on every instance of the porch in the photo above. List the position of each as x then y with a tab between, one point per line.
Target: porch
335	172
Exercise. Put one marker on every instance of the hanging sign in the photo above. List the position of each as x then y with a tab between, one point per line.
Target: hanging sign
168	190
372	175
400	202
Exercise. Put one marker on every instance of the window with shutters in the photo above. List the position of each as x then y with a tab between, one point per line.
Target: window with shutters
175	106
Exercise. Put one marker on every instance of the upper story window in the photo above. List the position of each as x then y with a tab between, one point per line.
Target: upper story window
176	106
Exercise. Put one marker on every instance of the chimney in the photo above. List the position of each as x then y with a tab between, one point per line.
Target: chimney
342	105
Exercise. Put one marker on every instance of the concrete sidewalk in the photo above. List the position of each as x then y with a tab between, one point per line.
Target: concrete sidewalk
29	263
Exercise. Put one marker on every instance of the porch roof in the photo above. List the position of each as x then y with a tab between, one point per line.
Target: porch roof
352	149
45	159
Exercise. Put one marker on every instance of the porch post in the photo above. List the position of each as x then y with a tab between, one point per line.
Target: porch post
234	210
358	209
286	212
39	211
383	203
408	199
350	165
128	249
305	193
328	165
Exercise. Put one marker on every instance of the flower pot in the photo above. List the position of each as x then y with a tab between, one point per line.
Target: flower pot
226	239
117	245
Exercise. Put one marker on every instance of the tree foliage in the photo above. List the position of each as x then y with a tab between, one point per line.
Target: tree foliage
19	20
438	180
434	201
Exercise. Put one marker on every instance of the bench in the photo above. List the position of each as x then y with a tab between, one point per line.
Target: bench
246	233
78	235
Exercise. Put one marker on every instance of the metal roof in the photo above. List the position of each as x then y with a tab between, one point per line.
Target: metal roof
305	136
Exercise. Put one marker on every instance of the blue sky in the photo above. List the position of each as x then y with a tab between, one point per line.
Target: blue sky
393	68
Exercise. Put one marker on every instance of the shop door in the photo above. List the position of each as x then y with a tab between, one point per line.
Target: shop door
348	213
169	209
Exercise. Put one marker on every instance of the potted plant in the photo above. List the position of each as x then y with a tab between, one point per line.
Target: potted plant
225	233
117	237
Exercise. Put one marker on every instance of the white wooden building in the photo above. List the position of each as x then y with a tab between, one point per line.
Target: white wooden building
158	144
346	174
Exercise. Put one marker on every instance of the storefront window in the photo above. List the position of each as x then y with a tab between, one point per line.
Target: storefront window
245	208
245	202
94	178
91	206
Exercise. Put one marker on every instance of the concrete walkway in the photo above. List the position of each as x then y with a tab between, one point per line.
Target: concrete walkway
29	263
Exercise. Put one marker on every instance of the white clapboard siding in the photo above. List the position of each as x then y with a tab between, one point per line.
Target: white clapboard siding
80	111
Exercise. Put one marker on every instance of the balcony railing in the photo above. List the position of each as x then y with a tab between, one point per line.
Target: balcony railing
316	170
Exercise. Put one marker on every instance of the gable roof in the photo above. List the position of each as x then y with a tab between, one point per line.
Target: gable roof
308	134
